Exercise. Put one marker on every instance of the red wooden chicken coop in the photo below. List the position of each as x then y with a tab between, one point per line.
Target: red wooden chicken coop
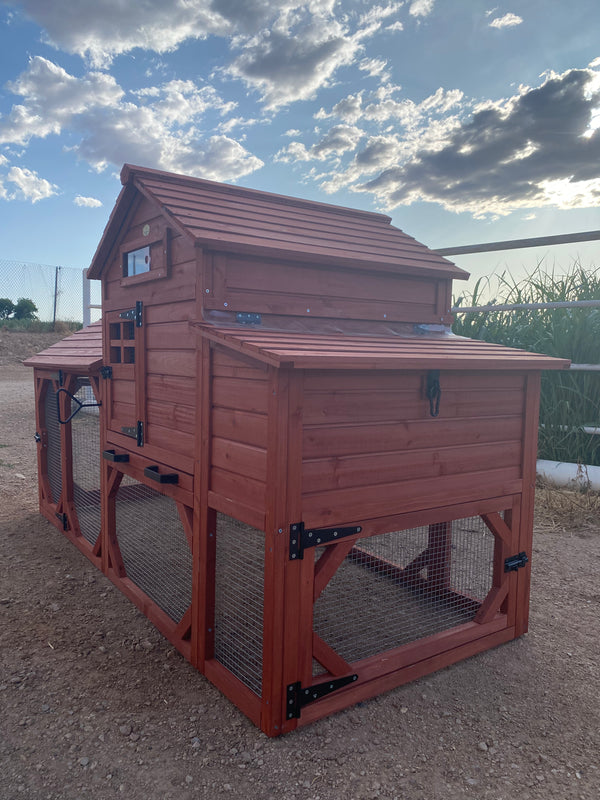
311	487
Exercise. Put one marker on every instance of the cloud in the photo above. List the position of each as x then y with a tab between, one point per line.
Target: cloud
285	65
338	140
52	98
103	29
302	52
534	149
29	186
87	202
507	21
421	8
540	147
157	127
87	27
375	67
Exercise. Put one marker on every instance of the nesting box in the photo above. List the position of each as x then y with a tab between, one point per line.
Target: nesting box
311	487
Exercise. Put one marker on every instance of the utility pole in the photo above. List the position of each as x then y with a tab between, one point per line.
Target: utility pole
55	297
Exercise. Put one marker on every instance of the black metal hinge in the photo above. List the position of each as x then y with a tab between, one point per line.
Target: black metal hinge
136	432
65	521
433	392
513	563
106	372
135	314
297	697
301	538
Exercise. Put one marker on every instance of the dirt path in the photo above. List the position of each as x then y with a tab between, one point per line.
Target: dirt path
94	703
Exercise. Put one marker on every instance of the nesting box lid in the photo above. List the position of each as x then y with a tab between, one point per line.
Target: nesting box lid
235	219
80	353
342	351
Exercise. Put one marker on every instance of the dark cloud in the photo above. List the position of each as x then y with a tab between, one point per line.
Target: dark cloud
286	66
507	153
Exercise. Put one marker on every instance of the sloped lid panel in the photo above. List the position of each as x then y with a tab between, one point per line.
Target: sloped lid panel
80	353
306	351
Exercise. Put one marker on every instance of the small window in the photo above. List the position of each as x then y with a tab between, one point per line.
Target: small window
136	262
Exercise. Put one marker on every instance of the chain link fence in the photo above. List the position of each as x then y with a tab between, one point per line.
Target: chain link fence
56	291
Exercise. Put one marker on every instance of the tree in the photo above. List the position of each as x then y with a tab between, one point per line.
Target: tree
6	307
25	309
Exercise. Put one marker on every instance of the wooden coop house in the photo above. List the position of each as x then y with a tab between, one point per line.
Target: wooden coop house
308	484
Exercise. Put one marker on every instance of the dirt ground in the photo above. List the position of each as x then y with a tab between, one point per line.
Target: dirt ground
95	703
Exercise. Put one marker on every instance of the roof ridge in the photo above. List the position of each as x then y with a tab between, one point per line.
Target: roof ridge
130	172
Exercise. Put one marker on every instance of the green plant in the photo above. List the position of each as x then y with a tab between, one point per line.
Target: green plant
25	309
6	307
570	401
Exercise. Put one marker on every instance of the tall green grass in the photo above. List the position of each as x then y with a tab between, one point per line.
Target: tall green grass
569	400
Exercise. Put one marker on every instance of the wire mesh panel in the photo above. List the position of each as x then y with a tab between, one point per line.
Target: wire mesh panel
153	545
239	582
396	588
54	449
85	433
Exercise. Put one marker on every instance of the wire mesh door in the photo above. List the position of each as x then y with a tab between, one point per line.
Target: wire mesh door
85	444
153	547
239	587
397	588
53	443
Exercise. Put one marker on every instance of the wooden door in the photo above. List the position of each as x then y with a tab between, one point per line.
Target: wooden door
125	358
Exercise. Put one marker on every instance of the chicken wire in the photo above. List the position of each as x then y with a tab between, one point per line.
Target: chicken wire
85	437
54	448
371	605
154	547
239	584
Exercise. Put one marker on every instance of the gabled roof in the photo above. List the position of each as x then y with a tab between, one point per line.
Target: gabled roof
80	353
338	351
225	217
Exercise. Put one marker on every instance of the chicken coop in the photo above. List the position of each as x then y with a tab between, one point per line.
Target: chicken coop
310	486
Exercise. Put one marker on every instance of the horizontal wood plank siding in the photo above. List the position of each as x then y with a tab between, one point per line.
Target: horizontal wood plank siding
371	448
238	460
275	287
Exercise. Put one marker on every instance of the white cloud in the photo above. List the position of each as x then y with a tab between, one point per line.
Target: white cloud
421	8
102	29
87	202
378	13
507	21
337	141
52	97
241	122
3	160
395	26
29	186
159	129
349	109
376	67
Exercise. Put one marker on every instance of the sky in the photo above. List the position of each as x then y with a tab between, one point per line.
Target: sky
464	121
